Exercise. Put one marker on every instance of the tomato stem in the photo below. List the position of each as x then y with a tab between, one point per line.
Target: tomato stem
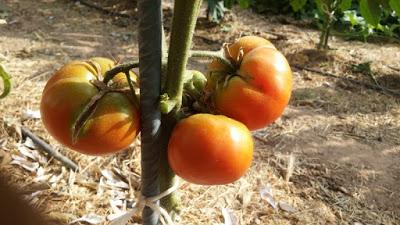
88	111
109	75
132	89
166	103
183	24
218	55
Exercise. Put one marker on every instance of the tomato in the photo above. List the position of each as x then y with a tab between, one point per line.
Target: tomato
257	93
210	149
115	121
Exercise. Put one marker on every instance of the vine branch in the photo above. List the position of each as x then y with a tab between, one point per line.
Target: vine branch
183	25
218	55
109	75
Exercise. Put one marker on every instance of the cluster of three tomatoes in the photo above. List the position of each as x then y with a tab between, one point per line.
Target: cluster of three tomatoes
205	148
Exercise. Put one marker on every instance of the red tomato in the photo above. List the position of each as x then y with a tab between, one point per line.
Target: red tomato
114	123
210	149
257	93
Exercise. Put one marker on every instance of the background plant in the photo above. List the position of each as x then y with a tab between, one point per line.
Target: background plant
357	19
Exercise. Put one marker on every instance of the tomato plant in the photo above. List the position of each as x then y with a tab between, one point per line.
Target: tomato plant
258	91
112	125
210	149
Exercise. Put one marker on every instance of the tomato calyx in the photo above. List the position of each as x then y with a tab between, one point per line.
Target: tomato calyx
97	69
235	61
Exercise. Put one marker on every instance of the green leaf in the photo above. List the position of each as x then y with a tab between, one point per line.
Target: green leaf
371	11
395	5
229	3
320	6
384	4
344	5
244	4
352	17
297	4
6	82
216	10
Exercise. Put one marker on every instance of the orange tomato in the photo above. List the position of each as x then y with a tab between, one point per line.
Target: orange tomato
257	93
210	149
114	123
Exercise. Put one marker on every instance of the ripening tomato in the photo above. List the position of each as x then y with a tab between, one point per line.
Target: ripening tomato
257	93
115	121
210	149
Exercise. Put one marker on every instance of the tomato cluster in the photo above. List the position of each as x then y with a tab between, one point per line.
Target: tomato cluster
248	93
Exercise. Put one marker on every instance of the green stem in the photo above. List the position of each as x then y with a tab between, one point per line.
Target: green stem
327	36
218	55
166	104
6	82
135	98
109	75
183	24
167	177
323	34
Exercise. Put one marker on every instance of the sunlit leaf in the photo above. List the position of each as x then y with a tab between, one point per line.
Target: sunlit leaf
244	4
395	5
297	4
371	11
344	5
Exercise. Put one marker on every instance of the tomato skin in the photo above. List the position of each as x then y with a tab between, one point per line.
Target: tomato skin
112	127
210	149
248	43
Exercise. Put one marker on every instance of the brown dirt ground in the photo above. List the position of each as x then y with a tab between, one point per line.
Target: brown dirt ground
345	138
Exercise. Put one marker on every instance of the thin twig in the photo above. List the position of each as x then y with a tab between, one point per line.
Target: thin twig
128	77
278	36
290	167
49	150
374	79
394	68
367	85
101	9
263	140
